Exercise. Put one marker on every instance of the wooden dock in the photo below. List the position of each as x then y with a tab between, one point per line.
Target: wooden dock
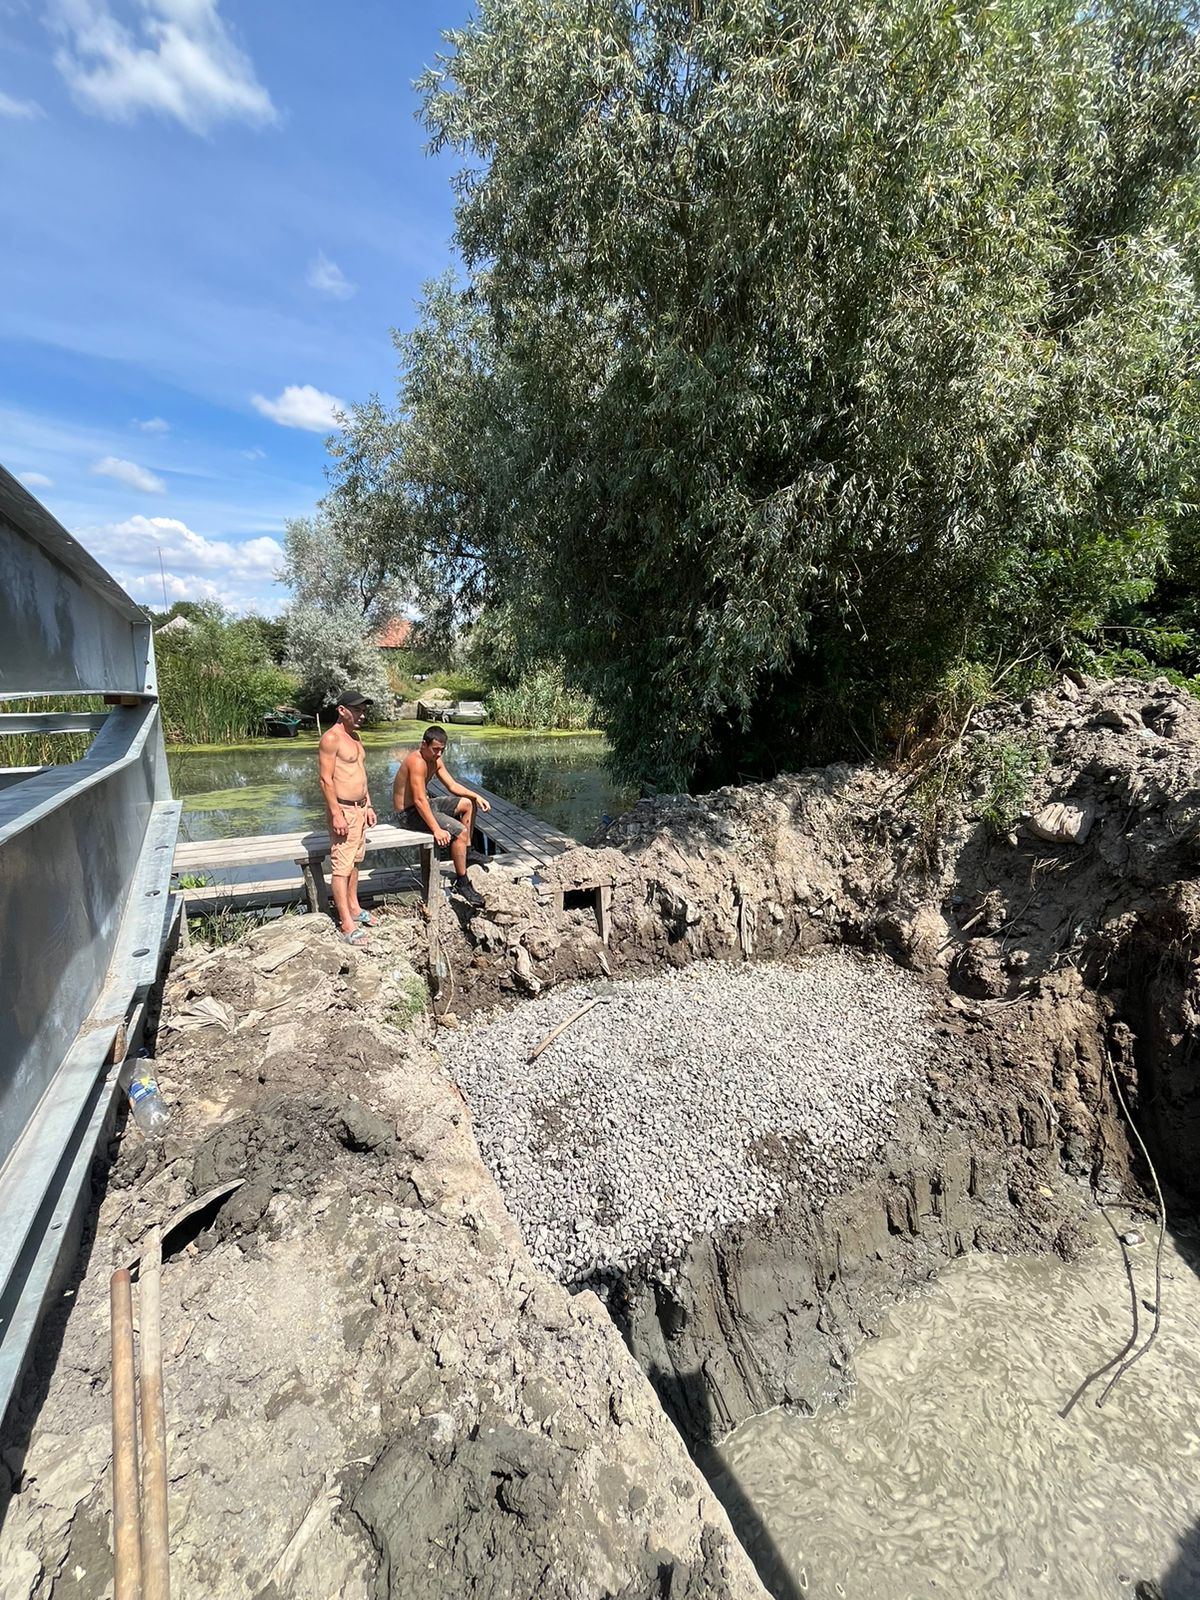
512	835
507	835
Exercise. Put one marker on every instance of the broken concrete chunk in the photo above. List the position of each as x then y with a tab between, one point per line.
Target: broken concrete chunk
1116	717
524	971
1062	824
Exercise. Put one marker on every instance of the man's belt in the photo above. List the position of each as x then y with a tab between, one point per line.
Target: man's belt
354	802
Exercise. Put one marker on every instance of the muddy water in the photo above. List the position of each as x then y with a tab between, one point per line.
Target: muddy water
951	1472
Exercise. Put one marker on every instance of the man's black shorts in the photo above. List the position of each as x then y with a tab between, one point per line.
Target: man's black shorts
442	807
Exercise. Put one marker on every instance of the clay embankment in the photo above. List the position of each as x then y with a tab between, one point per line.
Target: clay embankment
372	1388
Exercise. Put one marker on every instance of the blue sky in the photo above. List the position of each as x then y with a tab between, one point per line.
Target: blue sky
212	214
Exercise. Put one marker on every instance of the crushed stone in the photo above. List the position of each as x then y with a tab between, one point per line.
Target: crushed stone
687	1102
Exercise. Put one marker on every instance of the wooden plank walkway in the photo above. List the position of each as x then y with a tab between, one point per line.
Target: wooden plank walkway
522	840
508	836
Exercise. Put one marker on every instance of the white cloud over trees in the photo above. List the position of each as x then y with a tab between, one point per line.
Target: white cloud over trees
240	575
302	406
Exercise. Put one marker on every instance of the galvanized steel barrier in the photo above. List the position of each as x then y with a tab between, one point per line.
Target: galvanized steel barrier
85	864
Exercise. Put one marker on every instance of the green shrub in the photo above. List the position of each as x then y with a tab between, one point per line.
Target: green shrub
1006	768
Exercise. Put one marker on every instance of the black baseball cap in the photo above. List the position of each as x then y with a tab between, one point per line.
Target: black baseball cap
351	699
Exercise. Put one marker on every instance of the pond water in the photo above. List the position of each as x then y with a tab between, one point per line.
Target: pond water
952	1474
272	787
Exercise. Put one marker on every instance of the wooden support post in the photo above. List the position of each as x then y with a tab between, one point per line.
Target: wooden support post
604	911
156	1583
315	887
427	875
310	882
127	1521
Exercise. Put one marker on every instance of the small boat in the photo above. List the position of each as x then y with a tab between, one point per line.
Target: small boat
282	724
469	711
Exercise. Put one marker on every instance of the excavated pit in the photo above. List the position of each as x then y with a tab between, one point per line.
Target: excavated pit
750	1163
1055	962
440	1415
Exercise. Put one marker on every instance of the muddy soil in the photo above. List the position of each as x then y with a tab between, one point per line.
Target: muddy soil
371	1389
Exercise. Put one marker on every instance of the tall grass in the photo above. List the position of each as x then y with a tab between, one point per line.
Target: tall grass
217	682
541	699
47	749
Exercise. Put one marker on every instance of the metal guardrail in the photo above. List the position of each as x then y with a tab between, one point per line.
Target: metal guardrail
85	861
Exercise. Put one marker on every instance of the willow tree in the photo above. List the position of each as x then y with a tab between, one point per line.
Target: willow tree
826	344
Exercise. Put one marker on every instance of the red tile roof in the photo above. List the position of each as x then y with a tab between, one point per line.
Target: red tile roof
394	634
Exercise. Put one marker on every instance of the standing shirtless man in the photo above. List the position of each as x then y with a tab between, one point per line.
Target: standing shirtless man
343	768
450	820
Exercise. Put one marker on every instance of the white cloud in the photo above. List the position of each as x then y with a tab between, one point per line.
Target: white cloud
36	480
329	278
10	107
178	60
129	473
256	454
239	575
302	406
152	425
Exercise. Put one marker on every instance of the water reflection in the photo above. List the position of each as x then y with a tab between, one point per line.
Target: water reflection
273	788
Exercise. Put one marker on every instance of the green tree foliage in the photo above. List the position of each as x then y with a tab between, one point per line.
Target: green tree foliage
806	350
330	649
347	555
417	499
347	570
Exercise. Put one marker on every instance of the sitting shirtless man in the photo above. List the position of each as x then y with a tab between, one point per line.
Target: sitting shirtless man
450	820
342	764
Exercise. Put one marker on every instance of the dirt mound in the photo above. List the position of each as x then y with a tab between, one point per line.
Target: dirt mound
370	1390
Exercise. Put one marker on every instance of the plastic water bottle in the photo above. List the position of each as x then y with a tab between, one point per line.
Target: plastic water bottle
147	1104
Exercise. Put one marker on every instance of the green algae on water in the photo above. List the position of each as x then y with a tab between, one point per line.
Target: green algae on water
249	797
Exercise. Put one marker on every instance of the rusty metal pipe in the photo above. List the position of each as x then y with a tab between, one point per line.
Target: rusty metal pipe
127	1532
156	1581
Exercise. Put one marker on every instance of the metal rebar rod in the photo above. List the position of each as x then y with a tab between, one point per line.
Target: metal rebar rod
127	1532
156	1582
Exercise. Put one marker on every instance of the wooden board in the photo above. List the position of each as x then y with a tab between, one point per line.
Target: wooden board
372	881
523	840
207	855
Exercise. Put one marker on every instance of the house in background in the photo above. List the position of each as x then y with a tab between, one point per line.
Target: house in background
395	634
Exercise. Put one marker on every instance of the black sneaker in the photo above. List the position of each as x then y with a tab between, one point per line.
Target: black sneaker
466	890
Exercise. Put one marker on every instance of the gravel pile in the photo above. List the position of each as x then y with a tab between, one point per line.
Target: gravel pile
687	1101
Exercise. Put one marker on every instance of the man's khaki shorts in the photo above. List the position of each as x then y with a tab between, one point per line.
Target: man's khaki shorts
348	852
